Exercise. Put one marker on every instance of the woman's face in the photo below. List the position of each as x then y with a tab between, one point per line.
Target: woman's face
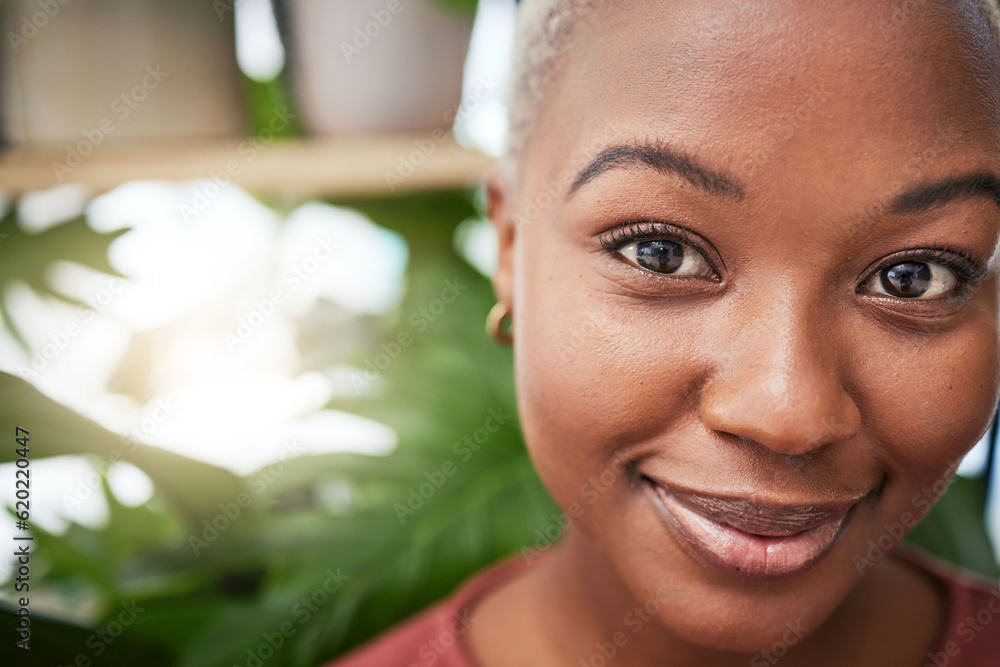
750	263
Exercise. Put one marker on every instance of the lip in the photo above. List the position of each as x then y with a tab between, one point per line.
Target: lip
748	539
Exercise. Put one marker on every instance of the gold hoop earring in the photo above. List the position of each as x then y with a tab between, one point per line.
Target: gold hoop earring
498	324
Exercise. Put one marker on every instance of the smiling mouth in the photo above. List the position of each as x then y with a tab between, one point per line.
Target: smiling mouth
749	539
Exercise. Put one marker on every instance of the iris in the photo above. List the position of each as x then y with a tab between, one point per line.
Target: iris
909	279
659	256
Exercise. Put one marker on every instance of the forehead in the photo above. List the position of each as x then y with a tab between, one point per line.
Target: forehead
759	84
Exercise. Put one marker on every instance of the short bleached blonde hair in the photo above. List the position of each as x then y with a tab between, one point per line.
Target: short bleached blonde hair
545	32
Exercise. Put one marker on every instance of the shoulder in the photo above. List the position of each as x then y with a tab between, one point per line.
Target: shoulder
436	636
972	632
425	639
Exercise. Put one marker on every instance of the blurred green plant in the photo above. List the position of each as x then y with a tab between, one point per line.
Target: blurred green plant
268	101
212	594
27	257
334	548
462	6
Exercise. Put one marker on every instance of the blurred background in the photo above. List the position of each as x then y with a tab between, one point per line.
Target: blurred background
244	271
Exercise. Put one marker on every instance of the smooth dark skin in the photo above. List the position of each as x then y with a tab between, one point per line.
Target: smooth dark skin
782	380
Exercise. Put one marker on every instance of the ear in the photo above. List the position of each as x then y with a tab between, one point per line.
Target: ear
499	200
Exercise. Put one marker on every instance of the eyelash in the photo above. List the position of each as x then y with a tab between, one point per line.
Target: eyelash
961	262
632	231
967	270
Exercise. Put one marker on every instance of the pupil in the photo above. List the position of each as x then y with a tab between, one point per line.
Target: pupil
909	279
659	256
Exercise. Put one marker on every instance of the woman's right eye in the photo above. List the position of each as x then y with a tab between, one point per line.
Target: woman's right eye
914	280
667	257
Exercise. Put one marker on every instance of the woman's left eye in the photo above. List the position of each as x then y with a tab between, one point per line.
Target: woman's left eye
667	257
913	280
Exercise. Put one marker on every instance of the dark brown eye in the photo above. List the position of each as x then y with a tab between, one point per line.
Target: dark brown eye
659	256
913	280
667	257
909	279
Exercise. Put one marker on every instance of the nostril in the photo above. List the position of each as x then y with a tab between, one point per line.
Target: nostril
794	444
812	410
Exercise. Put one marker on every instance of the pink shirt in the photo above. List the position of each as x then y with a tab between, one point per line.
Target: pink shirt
437	635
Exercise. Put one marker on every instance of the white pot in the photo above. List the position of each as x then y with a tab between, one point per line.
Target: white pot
376	65
99	70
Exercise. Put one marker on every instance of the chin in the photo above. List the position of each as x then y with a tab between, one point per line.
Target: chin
744	632
748	623
715	609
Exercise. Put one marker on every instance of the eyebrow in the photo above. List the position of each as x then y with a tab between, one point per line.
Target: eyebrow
663	159
925	196
666	160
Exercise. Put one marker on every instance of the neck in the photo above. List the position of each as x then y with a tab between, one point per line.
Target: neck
583	613
593	615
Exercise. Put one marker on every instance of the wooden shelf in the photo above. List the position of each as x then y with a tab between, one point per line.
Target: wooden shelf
352	165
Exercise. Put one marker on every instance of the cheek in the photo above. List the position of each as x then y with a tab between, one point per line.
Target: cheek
929	400
593	375
597	373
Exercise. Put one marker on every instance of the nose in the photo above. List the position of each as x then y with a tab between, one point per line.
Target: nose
778	381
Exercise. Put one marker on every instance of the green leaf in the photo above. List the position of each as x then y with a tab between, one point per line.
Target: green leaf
194	487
